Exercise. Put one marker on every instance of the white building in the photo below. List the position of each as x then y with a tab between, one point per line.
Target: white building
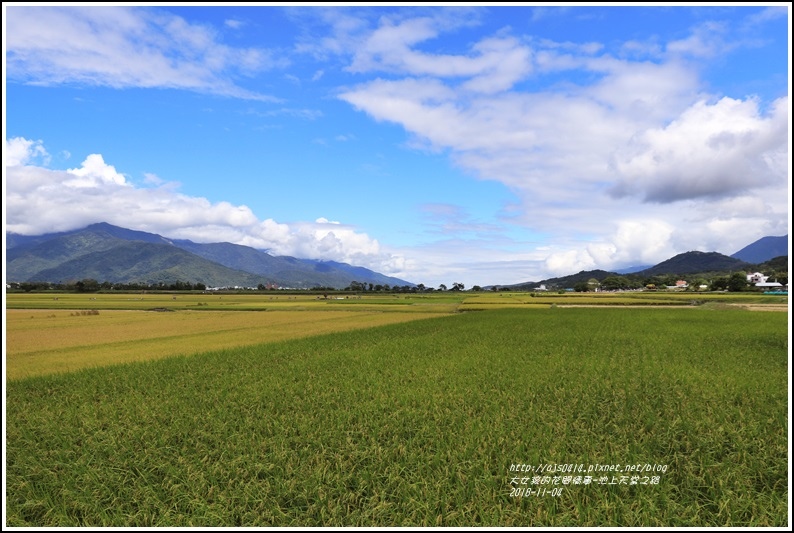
756	277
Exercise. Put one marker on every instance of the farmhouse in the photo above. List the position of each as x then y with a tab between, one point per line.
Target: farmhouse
760	281
756	277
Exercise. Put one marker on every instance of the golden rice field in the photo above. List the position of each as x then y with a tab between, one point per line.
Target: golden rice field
49	341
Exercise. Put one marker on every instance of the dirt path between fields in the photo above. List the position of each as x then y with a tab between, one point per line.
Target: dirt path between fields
763	307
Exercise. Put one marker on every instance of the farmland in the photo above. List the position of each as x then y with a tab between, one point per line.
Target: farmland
387	411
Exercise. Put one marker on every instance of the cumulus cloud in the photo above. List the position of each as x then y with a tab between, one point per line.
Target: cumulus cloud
94	172
633	134
711	150
19	151
126	47
40	200
643	241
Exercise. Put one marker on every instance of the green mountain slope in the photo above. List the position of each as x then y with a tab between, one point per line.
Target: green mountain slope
108	253
139	262
695	262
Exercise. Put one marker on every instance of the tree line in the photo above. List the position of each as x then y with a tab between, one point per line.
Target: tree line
92	285
735	282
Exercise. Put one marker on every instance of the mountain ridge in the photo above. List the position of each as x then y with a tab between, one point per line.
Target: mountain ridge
110	253
763	249
105	252
683	264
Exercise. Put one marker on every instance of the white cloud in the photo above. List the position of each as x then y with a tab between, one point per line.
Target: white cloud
19	151
41	200
494	65
619	158
542	13
768	14
634	241
580	152
94	172
705	42
711	150
125	47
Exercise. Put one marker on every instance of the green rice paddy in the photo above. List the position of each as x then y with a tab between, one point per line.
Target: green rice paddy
656	418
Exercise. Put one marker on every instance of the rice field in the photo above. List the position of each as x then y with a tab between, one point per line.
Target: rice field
48	341
533	416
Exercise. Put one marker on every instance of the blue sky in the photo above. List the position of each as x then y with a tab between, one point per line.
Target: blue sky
449	144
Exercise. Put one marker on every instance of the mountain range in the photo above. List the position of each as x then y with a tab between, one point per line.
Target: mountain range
104	252
764	254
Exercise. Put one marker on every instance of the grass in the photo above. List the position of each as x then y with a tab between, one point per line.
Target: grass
418	424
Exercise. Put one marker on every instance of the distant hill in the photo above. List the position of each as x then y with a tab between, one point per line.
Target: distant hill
687	263
108	253
564	281
763	249
633	269
696	262
778	264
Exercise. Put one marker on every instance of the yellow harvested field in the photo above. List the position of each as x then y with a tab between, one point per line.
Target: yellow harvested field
767	307
48	341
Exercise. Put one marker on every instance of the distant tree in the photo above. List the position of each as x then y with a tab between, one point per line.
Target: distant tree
582	286
457	286
719	284
614	283
661	281
476	288
779	276
442	287
28	286
421	287
87	285
737	282
356	286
